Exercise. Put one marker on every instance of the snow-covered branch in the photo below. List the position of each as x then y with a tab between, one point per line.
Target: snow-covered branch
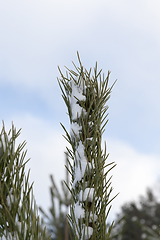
86	97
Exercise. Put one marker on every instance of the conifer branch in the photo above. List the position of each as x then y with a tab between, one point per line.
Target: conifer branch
18	212
85	97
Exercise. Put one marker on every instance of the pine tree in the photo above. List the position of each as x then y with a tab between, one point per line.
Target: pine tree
141	220
85	97
19	218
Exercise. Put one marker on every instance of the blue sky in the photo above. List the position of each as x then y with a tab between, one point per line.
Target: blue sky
123	37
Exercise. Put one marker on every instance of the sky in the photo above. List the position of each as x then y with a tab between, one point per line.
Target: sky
123	36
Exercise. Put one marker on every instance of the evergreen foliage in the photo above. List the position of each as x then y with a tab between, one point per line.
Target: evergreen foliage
141	220
85	96
18	212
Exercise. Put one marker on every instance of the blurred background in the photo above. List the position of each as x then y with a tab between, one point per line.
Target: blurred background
123	36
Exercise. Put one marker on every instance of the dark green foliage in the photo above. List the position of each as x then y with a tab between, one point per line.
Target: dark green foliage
18	212
141	220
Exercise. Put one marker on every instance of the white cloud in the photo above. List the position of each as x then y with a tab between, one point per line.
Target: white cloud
122	35
36	36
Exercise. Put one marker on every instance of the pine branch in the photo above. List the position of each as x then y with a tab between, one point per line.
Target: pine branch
85	97
18	212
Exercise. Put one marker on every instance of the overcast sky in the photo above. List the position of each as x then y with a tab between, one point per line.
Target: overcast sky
123	37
